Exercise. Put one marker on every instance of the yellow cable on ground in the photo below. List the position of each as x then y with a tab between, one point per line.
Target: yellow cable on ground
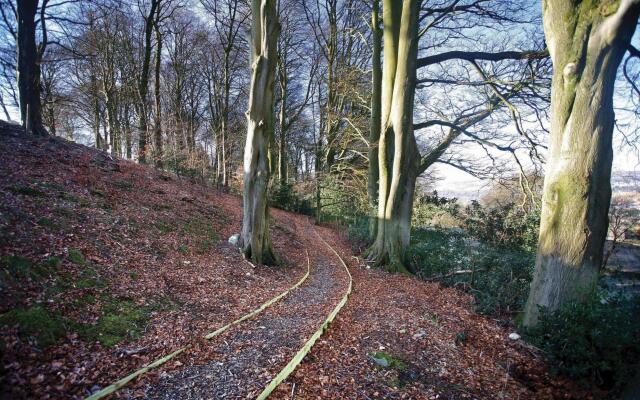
122	382
297	359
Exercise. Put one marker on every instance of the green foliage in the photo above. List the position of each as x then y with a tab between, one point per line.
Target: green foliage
596	342
505	226
283	196
76	257
433	210
35	323
497	278
358	231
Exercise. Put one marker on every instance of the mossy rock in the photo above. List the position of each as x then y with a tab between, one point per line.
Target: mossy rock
386	360
36	323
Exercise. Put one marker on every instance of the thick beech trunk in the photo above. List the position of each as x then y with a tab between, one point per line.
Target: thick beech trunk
282	120
398	157
587	40
374	123
255	241
29	58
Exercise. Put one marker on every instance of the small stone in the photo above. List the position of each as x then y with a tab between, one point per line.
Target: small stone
419	335
234	239
514	336
383	362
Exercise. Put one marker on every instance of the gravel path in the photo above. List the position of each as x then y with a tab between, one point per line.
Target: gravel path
248	356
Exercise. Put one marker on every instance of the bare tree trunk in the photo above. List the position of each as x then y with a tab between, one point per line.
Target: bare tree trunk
374	124
127	132
255	241
143	85
29	59
587	41
225	117
158	122
395	195
282	145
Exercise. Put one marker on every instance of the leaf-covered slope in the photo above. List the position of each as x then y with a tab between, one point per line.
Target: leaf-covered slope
106	265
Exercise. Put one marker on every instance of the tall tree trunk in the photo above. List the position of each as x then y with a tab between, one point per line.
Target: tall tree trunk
587	40
29	58
374	123
143	84
255	241
127	132
226	170
282	119
158	122
397	178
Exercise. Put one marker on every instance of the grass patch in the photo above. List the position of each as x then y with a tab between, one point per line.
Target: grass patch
27	191
76	257
35	323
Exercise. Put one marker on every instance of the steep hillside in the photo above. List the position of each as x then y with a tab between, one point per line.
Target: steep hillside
107	265
105	261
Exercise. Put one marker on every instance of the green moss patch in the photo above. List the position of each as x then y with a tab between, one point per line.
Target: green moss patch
202	233
27	191
121	319
17	268
35	323
76	257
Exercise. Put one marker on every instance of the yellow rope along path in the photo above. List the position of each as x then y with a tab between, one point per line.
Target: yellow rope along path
122	382
297	359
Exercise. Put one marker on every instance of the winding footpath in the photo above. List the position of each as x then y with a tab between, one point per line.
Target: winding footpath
249	356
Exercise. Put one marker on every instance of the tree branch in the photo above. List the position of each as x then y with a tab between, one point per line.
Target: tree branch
481	56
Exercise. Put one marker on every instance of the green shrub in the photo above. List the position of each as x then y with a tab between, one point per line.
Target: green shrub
358	231
505	226
283	196
497	278
596	342
433	210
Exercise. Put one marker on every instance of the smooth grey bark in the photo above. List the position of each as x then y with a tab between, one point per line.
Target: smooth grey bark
586	40
254	240
374	123
397	179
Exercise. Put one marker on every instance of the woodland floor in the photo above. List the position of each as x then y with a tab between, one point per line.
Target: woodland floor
120	264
